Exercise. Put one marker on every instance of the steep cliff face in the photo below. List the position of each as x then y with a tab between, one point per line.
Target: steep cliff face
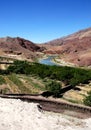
75	48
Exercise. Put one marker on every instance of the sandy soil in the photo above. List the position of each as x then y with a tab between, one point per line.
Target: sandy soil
18	115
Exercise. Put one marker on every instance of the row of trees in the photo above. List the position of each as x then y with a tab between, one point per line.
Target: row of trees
69	75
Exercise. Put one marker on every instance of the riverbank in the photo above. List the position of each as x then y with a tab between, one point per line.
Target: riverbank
61	62
53	60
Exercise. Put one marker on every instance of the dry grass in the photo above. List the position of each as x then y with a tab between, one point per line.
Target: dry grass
78	96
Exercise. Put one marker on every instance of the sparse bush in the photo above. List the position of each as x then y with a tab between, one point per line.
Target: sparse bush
87	99
5	91
18	82
2	80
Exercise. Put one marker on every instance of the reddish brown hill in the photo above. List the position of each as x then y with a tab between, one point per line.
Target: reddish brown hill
75	48
19	47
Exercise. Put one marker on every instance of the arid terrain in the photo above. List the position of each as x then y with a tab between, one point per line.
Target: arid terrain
19	48
18	115
74	48
71	50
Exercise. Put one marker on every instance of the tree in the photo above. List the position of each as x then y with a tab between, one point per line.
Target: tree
54	87
87	99
19	67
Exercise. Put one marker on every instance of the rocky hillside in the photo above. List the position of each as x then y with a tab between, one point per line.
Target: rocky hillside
19	48
75	48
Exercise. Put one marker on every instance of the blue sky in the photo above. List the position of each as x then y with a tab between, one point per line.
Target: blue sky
43	20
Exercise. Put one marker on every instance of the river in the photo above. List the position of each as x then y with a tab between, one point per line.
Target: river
47	61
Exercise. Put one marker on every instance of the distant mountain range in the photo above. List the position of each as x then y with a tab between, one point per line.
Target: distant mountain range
74	48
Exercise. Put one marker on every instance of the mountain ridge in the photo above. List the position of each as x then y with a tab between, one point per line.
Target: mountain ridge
75	48
19	46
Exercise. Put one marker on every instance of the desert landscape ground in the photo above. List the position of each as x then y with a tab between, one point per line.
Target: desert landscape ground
16	114
67	78
45	65
74	48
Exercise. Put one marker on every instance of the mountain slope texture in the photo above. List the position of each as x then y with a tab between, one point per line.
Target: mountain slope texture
18	46
74	48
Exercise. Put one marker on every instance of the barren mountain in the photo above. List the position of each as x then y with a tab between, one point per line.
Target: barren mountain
18	48
75	48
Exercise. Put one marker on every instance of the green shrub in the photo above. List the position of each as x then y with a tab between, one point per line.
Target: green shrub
2	80
19	67
54	87
87	99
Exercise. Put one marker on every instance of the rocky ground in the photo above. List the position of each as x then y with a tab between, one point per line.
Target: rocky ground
19	115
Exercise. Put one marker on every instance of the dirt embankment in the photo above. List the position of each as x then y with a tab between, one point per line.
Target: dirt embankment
18	115
75	110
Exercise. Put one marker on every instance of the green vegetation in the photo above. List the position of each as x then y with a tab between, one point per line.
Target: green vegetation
19	67
16	81
33	83
48	74
54	87
2	81
68	75
13	78
87	99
